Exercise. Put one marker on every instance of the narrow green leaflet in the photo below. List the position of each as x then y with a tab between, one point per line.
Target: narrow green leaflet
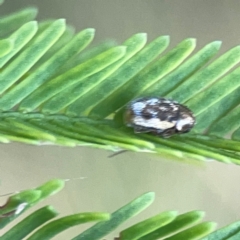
66	97
124	74
227	144
140	229
65	38
64	137
235	237
184	71
30	223
226	124
192	148
46	70
29	198
6	45
50	188
100	136
125	71
167	225
25	129
215	93
196	232
19	201
217	111
100	230
15	20
146	77
55	227
225	232
26	59
206	76
236	135
91	52
179	223
74	75
20	38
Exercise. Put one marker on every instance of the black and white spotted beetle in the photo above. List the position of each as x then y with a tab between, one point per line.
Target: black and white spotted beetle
160	116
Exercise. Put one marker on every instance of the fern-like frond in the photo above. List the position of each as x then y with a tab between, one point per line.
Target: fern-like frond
56	89
41	224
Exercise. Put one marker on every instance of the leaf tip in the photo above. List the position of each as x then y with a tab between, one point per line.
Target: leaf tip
31	10
193	40
150	195
90	30
142	35
166	37
201	214
217	43
212	226
190	41
165	40
61	21
173	213
33	24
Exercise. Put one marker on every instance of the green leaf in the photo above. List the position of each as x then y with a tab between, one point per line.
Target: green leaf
55	227
100	230
15	20
184	71
29	198
225	232
196	232
21	200
74	75
50	188
179	223
140	229
226	124
235	237
16	205
26	59
65	38
20	38
30	223
6	45
47	70
213	94
206	76
68	96
88	54
146	77
57	89
217	111
236	135
165	225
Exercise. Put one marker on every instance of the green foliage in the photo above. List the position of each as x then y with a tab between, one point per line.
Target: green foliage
118	217
56	89
20	202
41	224
6	46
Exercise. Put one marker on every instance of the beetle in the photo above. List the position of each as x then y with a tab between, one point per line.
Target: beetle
159	116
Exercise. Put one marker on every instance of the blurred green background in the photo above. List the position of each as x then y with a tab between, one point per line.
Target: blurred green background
112	182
